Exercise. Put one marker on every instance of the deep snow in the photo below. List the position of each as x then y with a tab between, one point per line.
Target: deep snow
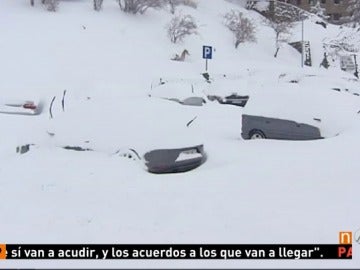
109	62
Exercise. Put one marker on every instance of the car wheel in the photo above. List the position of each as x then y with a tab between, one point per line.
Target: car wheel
256	134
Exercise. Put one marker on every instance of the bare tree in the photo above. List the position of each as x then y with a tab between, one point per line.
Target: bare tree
140	6
242	27
181	26
282	32
98	4
282	18
174	3
32	2
51	5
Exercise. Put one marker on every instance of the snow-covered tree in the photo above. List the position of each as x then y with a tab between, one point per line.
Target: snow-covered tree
242	28
174	3
354	10
181	26
281	17
140	6
281	22
318	10
282	33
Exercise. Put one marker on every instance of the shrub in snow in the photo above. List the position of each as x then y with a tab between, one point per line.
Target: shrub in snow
181	26
174	3
139	6
243	28
51	5
98	4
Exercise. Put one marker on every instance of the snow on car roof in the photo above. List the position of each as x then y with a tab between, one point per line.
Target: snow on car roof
226	86
179	89
164	125
305	104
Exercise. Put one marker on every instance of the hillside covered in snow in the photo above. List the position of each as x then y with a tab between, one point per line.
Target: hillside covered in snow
106	81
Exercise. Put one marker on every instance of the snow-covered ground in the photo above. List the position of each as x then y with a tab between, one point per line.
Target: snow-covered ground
110	63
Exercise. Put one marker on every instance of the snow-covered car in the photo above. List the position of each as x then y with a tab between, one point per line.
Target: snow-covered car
186	92
154	139
228	90
259	127
175	160
21	107
194	92
233	99
293	112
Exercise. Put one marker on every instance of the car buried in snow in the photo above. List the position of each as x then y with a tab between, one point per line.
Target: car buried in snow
291	112
185	92
233	99
174	160
153	139
21	107
259	127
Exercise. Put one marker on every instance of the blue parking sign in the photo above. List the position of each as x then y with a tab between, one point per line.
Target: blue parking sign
207	52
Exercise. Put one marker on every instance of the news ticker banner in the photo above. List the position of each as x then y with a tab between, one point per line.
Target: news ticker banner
340	251
174	252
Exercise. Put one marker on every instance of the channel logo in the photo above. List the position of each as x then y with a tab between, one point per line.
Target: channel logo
345	238
345	245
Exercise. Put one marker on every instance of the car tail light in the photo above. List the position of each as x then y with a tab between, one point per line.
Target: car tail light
31	106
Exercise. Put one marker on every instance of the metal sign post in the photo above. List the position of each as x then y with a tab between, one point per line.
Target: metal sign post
207	54
302	42
356	67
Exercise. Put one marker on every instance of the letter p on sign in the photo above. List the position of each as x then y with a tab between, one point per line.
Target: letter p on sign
207	52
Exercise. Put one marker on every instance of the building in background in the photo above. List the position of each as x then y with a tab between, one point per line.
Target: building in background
335	9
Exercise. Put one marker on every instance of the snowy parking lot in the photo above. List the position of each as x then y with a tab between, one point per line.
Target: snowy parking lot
120	87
